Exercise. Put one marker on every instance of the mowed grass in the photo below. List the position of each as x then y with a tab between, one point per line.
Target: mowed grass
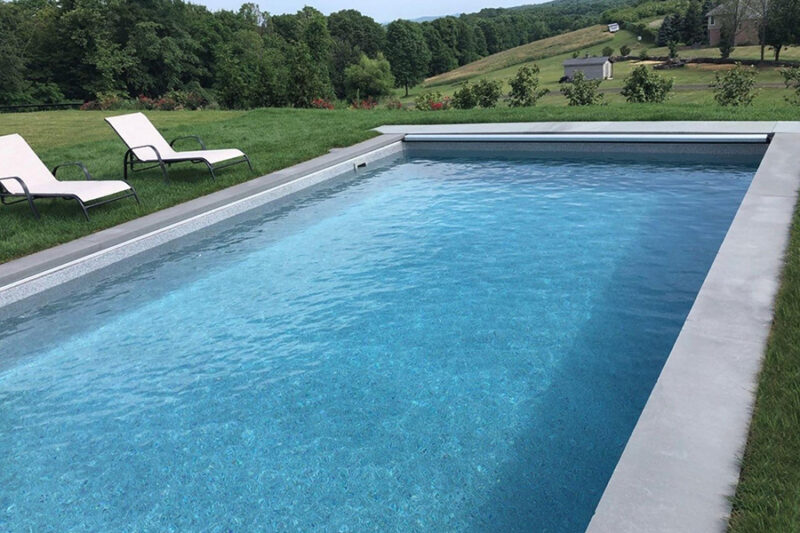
691	83
543	48
768	498
274	139
768	495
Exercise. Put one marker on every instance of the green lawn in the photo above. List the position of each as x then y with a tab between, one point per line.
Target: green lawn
768	498
274	138
688	80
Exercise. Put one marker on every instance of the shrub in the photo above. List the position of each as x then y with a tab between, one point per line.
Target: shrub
525	87
368	104
487	92
673	49
643	55
432	102
394	104
465	97
575	54
608	51
791	77
625	50
369	78
644	85
735	87
581	91
321	103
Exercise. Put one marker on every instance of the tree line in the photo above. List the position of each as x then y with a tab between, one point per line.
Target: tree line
53	50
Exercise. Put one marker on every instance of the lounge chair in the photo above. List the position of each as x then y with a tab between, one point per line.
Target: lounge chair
147	146
24	176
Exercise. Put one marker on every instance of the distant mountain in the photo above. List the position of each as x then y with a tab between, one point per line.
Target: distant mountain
430	19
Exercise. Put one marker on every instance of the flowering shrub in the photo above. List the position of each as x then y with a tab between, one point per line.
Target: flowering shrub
394	104
172	101
321	103
432	102
368	104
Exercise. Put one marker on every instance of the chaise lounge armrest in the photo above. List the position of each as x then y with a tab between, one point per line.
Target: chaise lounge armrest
195	137
18	180
74	164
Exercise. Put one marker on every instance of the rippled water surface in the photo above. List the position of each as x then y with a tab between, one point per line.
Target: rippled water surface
449	344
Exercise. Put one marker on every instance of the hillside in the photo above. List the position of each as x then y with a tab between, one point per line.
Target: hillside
552	46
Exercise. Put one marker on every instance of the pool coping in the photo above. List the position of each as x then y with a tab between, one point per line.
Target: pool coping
681	463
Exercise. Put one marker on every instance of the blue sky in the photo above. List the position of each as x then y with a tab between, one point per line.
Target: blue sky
379	10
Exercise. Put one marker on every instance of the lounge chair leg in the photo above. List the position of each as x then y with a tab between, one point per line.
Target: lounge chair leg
83	207
33	207
135	196
125	166
249	164
211	170
164	171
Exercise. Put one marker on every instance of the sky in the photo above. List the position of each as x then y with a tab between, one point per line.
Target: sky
382	11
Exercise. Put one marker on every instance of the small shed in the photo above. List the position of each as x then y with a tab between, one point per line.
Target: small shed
613	27
593	68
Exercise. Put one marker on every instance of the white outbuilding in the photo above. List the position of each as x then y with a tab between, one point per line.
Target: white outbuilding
593	68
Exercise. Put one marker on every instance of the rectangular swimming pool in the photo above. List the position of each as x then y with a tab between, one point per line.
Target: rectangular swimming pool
446	342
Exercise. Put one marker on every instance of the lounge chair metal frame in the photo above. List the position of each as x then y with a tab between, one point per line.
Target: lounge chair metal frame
130	160
28	197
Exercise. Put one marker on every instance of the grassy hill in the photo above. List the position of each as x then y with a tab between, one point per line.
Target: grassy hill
552	46
691	82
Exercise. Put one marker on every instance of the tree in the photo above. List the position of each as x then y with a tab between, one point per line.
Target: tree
727	37
624	50
783	25
608	51
407	53
644	85
736	87
353	34
582	91
358	31
669	30
693	29
369	78
465	97
525	90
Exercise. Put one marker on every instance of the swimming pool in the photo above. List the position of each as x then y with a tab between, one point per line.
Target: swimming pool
443	343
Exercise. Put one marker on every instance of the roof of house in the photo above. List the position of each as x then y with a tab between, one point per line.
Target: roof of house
585	61
725	8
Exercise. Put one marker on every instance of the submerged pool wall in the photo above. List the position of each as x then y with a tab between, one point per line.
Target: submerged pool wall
680	465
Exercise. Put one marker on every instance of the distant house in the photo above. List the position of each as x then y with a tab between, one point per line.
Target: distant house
593	68
723	14
613	27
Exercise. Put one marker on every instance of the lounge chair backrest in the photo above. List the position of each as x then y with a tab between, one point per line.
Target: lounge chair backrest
17	159
135	129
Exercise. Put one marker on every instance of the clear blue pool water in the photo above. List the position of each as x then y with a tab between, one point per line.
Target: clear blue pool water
446	344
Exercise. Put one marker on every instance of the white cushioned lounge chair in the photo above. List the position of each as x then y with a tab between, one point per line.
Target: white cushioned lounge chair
24	176
147	146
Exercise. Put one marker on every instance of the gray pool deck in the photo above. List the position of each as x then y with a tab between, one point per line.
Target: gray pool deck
681	463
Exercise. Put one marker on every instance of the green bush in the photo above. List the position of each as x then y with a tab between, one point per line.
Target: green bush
673	49
465	97
735	87
432	101
525	87
581	91
644	85
625	50
608	51
369	78
791	77
643	55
